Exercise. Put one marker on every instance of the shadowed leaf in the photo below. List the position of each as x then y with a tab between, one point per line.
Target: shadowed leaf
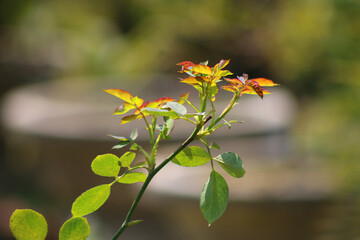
214	197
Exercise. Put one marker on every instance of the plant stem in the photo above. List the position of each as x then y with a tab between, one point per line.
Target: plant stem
226	110
152	174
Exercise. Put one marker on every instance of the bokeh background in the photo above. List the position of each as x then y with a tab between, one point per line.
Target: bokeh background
67	49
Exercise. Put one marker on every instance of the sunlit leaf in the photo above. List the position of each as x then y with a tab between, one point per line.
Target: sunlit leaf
132	177
129	118
186	65
91	200
127	158
192	157
106	165
27	224
177	107
76	228
202	69
214	197
224	73
194	80
183	98
229	88
231	163
122	94
264	82
137	101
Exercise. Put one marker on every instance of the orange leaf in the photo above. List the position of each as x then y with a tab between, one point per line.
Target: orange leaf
202	69
193	80
264	82
186	65
122	94
229	88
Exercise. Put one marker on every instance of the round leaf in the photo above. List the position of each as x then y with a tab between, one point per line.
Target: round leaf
106	165
127	158
76	228
214	197
192	157
231	163
27	224
132	177
91	200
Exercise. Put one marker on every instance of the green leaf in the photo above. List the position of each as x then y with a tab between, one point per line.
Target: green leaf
106	165
160	112
121	145
134	222
214	146
169	123
132	177
189	115
27	224
123	139
91	200
76	228
127	158
134	147
192	157
231	163
214	197
177	107
134	134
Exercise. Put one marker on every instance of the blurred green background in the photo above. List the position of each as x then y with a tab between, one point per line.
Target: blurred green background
310	47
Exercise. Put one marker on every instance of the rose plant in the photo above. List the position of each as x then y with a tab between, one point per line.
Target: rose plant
159	117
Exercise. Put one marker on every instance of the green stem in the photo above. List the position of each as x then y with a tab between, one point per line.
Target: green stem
226	110
150	177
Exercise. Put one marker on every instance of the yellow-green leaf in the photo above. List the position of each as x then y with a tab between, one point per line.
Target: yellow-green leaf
27	224
122	94
91	200
106	165
192	157
127	158
76	228
132	177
